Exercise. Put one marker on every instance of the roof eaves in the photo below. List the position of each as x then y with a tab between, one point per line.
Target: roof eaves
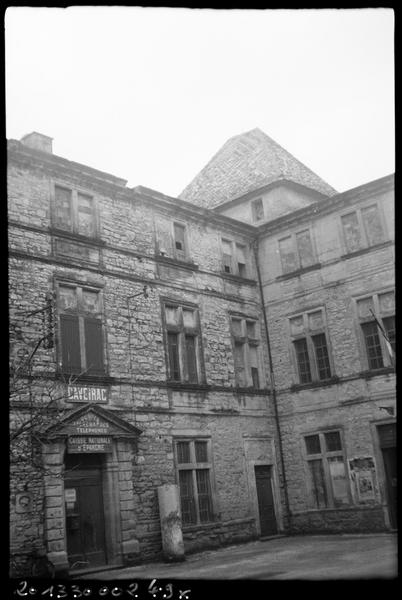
50	158
192	210
332	202
268	186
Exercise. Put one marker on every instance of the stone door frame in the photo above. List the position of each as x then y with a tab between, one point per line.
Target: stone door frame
117	498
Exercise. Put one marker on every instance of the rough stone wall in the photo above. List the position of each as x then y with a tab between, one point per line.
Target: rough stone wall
352	400
138	391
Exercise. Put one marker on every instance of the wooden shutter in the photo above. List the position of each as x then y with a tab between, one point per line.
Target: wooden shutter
288	255
70	343
191	358
387	435
179	241
173	350
305	248
94	346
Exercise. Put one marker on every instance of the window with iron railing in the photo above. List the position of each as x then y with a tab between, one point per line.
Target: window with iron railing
193	465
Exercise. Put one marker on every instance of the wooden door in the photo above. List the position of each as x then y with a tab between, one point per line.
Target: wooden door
85	522
387	438
389	456
265	500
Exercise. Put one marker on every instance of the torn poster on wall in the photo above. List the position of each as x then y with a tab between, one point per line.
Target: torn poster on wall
362	471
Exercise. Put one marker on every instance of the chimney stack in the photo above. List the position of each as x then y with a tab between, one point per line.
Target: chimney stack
38	141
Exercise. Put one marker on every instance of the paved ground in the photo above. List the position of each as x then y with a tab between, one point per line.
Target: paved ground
312	557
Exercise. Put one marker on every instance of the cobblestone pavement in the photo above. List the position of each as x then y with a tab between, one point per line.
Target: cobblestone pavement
311	557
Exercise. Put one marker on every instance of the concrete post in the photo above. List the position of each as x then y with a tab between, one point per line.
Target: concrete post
169	511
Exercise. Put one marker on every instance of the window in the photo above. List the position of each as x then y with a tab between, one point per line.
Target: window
381	307
309	338
81	335
194	478
328	482
362	228
246	343
74	212
234	257
180	247
257	209
296	251
183	343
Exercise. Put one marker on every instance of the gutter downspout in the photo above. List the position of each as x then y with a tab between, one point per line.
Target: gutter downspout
273	389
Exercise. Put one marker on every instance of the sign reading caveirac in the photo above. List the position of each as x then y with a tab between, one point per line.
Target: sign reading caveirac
86	393
89	444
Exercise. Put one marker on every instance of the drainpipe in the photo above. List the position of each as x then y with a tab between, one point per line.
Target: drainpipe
272	379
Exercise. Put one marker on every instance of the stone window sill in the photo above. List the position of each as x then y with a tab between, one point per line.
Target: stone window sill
77	379
238	278
298	272
183	385
376	372
202	526
218	521
314	384
251	390
93	241
365	250
350	508
175	262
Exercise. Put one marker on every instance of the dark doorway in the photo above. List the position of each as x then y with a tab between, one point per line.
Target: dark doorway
85	521
387	437
265	500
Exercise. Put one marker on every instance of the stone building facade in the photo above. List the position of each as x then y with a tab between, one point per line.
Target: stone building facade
158	340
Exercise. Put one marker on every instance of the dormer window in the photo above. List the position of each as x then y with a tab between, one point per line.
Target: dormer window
257	209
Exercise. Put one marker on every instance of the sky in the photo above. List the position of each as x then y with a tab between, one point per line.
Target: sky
151	94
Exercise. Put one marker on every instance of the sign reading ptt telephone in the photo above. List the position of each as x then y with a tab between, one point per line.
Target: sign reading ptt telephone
87	393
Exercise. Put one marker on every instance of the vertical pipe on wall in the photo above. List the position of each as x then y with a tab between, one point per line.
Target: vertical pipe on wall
272	380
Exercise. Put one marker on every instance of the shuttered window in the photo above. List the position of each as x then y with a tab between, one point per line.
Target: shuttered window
296	251
235	258
173	350
70	343
191	358
304	248
81	330
351	232
93	345
363	228
74	211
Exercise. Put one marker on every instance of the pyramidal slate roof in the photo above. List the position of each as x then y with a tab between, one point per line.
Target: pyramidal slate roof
247	162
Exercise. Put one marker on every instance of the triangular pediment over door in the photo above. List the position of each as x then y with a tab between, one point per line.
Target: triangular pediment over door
92	419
